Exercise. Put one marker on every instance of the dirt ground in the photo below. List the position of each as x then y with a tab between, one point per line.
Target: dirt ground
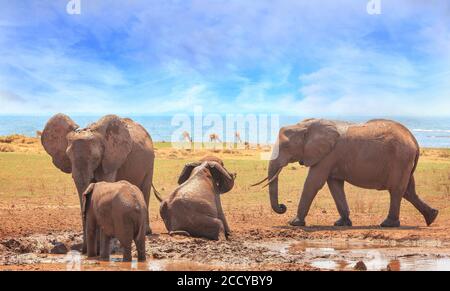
40	216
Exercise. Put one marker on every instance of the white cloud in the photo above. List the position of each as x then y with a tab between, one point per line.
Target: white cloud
293	57
361	82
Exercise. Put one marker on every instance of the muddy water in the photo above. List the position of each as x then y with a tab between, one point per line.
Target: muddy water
376	260
180	253
376	256
315	254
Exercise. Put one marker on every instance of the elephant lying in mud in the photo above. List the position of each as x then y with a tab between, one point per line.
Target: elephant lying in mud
194	208
380	154
110	149
114	210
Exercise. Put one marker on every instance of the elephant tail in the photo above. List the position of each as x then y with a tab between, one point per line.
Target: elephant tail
411	183
416	159
157	194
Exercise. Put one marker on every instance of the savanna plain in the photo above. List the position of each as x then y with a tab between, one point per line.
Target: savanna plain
40	224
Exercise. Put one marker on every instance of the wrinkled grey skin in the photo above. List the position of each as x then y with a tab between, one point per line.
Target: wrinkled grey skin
379	154
114	210
194	208
110	150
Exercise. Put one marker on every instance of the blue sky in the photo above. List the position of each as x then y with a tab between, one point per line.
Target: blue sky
288	57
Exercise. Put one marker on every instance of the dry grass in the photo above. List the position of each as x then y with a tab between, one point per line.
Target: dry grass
20	143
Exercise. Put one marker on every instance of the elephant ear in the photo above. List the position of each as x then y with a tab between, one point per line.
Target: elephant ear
186	173
116	141
86	199
54	140
320	138
223	179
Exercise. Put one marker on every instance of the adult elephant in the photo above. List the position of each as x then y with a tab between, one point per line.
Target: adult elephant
380	154
111	149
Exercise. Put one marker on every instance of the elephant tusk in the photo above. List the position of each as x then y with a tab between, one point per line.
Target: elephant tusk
260	182
273	178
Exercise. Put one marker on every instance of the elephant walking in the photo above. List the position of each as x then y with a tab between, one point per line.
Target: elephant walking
110	150
380	154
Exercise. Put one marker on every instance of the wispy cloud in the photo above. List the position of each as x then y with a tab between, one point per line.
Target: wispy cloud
290	57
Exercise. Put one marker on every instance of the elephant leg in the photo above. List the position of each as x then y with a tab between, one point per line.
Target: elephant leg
140	247
99	239
125	233
84	245
317	176
91	235
126	245
428	213
337	191
105	246
216	229
208	227
222	216
393	219
126	238
83	222
146	188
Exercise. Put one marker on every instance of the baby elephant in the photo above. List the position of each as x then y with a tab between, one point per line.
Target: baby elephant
194	207
114	210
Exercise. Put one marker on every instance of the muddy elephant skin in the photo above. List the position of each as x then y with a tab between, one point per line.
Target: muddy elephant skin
111	149
194	207
379	154
114	210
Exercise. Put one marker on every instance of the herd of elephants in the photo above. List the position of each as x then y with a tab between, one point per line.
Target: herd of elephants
112	160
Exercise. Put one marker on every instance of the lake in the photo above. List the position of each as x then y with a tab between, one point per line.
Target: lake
429	131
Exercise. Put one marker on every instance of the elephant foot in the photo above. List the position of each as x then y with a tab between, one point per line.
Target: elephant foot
84	249
431	216
105	259
142	258
297	222
91	256
179	232
390	223
343	222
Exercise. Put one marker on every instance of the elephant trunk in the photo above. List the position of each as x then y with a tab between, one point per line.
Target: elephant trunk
82	181
274	170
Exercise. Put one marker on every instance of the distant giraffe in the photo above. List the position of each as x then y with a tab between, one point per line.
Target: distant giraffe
237	136
214	137
187	137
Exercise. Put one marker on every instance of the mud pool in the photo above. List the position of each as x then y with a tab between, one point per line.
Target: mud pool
180	253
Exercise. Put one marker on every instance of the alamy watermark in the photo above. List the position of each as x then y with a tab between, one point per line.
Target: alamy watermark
225	132
374	7
73	261
73	7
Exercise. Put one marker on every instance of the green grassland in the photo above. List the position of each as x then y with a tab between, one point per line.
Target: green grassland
30	179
